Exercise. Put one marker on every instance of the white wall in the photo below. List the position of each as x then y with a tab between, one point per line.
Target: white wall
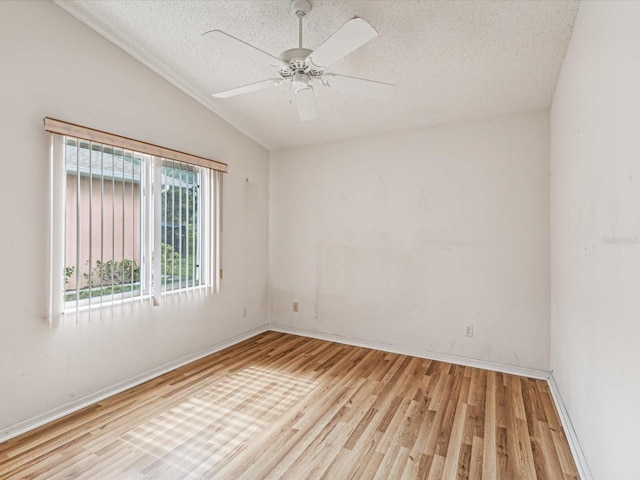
595	236
52	65
403	238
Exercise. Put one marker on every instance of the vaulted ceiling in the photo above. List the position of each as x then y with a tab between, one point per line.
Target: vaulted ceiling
450	60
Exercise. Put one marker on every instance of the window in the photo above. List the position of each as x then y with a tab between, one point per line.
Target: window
129	221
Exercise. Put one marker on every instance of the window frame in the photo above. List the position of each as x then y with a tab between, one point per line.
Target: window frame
151	285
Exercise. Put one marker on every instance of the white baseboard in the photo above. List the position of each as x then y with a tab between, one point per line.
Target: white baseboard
572	438
414	352
83	402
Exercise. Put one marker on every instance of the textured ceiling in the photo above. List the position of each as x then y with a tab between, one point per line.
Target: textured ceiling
450	60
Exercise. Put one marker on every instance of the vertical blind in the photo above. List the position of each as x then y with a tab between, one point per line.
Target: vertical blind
128	221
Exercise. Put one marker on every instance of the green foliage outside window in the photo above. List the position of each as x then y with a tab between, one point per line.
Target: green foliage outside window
169	262
114	272
68	272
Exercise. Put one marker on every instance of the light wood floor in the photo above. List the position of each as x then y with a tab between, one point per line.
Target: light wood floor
283	406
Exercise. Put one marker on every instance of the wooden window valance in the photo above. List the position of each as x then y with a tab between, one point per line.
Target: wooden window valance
69	129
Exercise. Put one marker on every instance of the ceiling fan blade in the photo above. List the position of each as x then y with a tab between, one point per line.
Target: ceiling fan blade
239	47
353	34
306	102
358	86
252	87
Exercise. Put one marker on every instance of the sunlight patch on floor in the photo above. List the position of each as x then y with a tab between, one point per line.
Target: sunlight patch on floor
215	423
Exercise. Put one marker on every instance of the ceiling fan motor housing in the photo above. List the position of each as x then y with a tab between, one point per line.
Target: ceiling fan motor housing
295	59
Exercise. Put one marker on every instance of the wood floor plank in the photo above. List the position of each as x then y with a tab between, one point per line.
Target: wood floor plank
552	461
475	467
285	406
489	451
455	442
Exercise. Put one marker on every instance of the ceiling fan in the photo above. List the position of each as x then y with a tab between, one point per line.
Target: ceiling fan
303	68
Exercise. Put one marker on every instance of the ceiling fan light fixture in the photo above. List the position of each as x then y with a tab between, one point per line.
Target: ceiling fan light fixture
306	103
300	81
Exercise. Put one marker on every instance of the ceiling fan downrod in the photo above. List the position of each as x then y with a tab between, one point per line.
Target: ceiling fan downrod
300	8
294	58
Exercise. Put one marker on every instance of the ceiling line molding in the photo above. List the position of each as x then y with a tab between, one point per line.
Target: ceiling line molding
156	65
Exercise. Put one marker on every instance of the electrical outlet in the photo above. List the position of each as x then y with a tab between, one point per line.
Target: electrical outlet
244	311
296	306
468	331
